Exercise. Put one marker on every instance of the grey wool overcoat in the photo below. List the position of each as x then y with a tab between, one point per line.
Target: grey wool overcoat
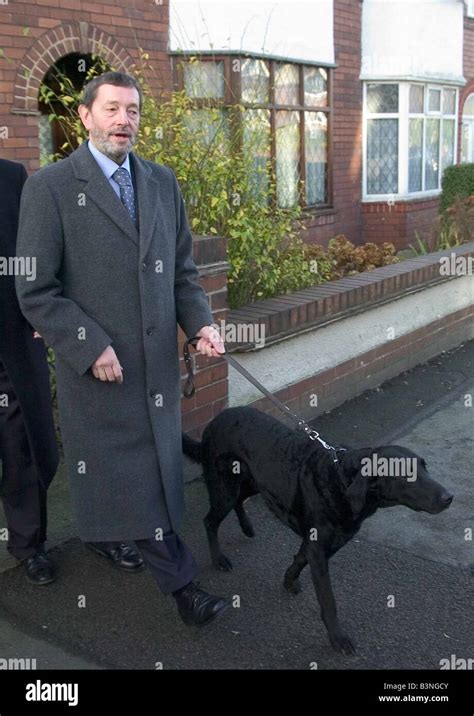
99	282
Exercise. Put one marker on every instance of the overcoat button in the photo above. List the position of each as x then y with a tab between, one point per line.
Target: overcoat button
150	330
144	267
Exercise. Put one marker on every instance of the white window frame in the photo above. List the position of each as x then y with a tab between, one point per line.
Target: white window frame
468	119
427	110
403	117
379	115
418	115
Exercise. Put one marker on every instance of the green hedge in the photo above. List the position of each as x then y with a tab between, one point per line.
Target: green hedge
457	183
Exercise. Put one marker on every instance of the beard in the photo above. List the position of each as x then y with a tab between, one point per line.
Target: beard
117	152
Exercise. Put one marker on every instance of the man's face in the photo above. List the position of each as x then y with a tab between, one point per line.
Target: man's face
113	120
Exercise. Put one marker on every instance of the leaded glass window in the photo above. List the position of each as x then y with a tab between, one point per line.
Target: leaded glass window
415	157
382	99
290	100
410	137
431	136
382	156
286	84
287	157
316	132
204	79
255	81
432	154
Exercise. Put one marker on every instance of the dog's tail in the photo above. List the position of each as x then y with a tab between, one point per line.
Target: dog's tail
192	448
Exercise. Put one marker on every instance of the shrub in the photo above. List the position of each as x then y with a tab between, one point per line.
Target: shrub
456	225
343	258
457	183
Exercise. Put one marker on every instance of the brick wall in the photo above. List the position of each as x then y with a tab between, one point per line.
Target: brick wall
444	313
210	375
372	368
284	317
399	223
346	130
34	34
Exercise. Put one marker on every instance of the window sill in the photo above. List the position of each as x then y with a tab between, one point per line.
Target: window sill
314	211
395	198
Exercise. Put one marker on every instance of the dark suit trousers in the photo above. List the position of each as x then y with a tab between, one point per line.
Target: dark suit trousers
169	560
23	497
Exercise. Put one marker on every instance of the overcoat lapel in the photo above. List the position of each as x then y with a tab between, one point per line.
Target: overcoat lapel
98	190
149	201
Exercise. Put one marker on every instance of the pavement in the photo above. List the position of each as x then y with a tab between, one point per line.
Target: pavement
96	617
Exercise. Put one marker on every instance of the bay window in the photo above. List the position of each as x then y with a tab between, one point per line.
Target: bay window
409	137
286	117
467	148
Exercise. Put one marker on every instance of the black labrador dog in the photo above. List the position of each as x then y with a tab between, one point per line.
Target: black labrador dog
245	452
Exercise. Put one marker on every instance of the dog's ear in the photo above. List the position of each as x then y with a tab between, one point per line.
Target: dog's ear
356	493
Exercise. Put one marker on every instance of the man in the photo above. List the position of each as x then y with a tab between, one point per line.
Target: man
28	448
114	276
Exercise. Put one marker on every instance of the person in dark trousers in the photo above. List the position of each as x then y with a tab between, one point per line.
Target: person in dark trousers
115	275
28	449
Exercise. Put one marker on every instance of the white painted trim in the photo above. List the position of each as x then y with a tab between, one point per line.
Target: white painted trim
364	139
468	120
389	198
403	117
456	81
403	106
434	112
469	123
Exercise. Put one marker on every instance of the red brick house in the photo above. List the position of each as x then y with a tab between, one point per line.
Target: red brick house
366	101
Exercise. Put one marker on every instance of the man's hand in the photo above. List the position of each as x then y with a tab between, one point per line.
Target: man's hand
107	367
210	342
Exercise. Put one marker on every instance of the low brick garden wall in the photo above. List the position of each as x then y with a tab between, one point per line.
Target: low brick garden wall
326	344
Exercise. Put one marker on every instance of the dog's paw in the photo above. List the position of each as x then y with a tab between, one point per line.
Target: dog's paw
342	643
292	585
223	563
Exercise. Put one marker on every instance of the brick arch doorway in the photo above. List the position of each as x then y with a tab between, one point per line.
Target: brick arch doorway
57	137
62	40
71	38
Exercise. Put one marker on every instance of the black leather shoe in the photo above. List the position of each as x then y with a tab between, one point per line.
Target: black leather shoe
39	569
198	608
122	555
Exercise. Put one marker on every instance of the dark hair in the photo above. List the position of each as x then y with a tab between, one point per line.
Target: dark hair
119	79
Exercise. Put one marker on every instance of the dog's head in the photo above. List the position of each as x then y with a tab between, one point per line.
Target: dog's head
393	475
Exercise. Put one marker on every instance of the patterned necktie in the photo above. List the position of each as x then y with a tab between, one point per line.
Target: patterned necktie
124	180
